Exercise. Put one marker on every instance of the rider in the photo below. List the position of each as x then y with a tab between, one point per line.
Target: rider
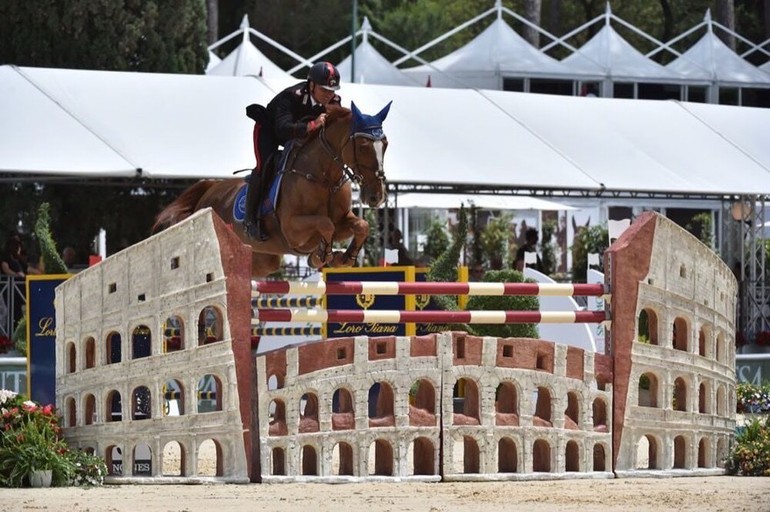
284	119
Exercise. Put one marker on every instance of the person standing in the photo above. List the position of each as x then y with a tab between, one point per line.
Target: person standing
532	237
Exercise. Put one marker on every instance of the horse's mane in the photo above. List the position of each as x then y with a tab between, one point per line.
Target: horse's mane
335	112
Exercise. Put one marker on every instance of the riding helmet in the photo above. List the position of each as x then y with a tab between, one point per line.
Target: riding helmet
325	75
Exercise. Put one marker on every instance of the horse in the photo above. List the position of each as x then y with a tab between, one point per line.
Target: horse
313	208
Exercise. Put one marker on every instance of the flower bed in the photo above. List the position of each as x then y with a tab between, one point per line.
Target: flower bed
30	440
753	399
751	454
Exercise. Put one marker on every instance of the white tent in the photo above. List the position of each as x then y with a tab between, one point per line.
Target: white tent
713	61
213	61
107	123
370	66
618	60
246	59
497	53
483	201
648	146
100	123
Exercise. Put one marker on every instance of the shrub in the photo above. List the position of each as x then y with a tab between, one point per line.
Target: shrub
751	454
504	303
753	399
30	439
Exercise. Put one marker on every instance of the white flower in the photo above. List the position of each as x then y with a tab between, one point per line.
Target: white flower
6	394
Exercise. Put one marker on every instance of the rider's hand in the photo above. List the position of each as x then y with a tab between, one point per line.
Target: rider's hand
316	123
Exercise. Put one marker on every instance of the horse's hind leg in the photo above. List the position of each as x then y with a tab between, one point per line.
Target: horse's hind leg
263	265
359	230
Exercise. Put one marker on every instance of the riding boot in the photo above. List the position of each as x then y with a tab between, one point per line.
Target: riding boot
252	217
263	189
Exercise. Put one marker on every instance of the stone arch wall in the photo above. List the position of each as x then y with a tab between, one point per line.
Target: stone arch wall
200	263
318	365
178	272
657	265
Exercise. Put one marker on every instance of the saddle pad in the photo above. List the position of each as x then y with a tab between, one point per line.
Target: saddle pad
239	206
268	205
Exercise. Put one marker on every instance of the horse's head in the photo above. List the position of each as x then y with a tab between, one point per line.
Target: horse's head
365	155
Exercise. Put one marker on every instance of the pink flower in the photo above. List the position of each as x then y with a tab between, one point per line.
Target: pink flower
48	410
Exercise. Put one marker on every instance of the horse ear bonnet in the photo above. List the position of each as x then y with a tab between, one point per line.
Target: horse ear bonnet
370	125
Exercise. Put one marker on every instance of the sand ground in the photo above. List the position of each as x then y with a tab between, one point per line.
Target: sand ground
702	494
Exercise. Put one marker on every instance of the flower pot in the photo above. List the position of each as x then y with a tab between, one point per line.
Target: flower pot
40	478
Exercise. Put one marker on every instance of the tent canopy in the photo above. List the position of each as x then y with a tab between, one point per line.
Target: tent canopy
712	60
370	66
618	60
495	53
482	201
116	124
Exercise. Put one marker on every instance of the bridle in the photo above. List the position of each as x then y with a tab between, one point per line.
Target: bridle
354	174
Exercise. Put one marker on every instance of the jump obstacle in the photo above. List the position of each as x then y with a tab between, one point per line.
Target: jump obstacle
296	309
426	288
530	408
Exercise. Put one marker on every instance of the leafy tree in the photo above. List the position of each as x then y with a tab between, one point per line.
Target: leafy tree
437	240
495	238
127	35
589	240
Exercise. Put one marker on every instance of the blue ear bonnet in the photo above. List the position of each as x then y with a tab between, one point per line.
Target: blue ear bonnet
368	125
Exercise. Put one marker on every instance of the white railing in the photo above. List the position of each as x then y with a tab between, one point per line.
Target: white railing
13	374
12	303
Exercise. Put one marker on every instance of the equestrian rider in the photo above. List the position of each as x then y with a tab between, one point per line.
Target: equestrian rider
284	119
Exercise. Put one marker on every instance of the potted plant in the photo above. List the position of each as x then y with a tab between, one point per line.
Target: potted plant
31	450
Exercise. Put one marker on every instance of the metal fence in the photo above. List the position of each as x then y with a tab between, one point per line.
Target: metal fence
13	303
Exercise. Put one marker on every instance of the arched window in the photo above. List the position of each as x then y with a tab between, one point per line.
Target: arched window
173	334
681	334
648	327
210	325
112	347
141	342
209	394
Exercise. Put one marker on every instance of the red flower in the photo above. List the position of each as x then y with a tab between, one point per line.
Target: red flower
763	338
48	410
5	344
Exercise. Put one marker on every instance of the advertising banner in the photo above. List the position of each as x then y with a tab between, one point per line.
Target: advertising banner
41	337
368	301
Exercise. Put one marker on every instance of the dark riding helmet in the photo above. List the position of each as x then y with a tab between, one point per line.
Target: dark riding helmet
325	75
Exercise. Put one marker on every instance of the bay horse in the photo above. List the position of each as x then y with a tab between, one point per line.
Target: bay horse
314	205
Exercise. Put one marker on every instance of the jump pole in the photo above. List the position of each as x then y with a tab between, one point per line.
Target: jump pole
427	288
398	317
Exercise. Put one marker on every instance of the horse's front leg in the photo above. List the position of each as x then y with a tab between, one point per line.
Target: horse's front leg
312	234
350	226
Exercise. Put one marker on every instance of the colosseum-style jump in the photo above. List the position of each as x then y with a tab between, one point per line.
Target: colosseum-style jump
156	372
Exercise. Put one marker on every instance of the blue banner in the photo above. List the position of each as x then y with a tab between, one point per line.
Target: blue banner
371	302
41	337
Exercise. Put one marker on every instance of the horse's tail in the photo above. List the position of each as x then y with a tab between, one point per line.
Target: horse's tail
183	206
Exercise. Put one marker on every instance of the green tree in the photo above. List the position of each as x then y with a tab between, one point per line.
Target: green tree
588	240
125	35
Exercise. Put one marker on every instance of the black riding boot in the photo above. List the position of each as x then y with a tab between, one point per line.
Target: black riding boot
253	216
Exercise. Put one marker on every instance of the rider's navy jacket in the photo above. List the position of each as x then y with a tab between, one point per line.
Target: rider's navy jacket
291	110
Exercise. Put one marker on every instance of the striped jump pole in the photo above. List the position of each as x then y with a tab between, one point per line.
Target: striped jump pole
398	317
286	331
427	288
286	302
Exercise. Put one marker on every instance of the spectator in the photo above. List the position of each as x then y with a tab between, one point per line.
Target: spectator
532	237
14	261
14	264
396	241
